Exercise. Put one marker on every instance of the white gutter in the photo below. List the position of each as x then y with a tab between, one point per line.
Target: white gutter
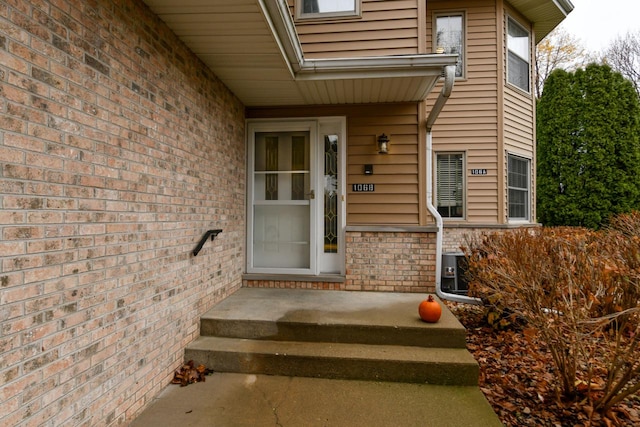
565	6
376	67
449	78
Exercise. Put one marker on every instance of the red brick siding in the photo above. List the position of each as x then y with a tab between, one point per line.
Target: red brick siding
455	238
118	150
294	284
381	261
390	261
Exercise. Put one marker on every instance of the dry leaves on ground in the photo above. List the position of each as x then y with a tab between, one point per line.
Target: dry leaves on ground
516	377
189	374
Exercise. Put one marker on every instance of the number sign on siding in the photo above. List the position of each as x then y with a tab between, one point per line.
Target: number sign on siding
363	188
478	171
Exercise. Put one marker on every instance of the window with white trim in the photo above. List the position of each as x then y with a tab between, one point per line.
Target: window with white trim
450	37
327	8
519	55
519	184
450	185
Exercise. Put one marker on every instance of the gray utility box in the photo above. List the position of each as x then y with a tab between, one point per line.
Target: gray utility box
453	277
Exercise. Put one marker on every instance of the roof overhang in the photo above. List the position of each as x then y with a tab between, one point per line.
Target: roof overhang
545	14
252	46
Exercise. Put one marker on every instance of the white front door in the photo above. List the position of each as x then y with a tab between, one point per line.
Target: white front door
295	197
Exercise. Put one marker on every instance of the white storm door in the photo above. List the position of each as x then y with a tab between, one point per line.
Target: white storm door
282	200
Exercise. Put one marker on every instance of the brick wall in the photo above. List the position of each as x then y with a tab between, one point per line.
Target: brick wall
390	261
376	260
454	237
295	284
118	150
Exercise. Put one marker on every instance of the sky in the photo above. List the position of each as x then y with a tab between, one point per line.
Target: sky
597	23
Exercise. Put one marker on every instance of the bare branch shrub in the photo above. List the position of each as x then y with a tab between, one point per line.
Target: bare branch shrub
624	56
579	289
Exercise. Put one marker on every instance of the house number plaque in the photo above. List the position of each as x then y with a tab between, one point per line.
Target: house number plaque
363	188
478	171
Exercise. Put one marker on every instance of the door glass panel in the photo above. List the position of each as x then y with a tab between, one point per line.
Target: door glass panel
281	237
299	162
331	193
281	193
271	155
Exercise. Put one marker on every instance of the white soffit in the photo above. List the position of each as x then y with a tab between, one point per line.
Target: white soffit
545	14
251	45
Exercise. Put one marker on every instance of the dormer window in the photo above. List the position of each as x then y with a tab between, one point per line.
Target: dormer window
314	9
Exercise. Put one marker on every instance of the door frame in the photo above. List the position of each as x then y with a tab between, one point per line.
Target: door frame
316	152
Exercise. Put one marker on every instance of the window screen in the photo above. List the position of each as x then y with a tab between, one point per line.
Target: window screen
450	185
518	44
518	188
308	8
450	37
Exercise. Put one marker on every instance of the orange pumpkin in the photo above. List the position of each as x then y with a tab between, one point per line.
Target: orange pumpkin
430	310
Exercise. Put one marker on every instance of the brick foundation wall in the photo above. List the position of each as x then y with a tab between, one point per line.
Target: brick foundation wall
390	261
118	150
295	284
455	237
376	260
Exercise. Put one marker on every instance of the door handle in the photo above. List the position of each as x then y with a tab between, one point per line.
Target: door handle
311	194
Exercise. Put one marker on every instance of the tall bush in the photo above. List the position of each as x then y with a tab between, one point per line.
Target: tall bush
578	288
588	147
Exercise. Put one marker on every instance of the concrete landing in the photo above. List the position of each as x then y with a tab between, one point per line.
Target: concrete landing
330	316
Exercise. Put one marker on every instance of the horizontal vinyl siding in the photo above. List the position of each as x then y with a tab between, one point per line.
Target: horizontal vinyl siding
395	175
469	120
518	122
385	28
519	115
519	126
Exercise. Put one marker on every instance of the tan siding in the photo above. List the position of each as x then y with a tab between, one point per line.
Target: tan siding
399	168
385	28
396	200
518	122
519	116
469	120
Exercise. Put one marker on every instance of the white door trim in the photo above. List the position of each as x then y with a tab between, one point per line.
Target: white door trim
313	126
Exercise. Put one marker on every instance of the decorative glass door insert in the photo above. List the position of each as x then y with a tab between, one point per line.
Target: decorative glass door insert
331	213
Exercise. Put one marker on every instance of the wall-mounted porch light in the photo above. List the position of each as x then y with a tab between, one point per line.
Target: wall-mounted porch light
383	144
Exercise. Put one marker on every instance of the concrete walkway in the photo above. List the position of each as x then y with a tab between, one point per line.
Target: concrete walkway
230	400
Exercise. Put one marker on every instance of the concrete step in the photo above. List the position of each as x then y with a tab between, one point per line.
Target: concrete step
333	335
408	364
334	317
318	358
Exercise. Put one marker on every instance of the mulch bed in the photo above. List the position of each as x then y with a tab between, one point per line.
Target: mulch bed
516	377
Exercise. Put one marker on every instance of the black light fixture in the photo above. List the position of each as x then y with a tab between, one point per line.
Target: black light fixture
383	144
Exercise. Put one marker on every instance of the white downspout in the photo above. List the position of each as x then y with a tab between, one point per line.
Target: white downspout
449	78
